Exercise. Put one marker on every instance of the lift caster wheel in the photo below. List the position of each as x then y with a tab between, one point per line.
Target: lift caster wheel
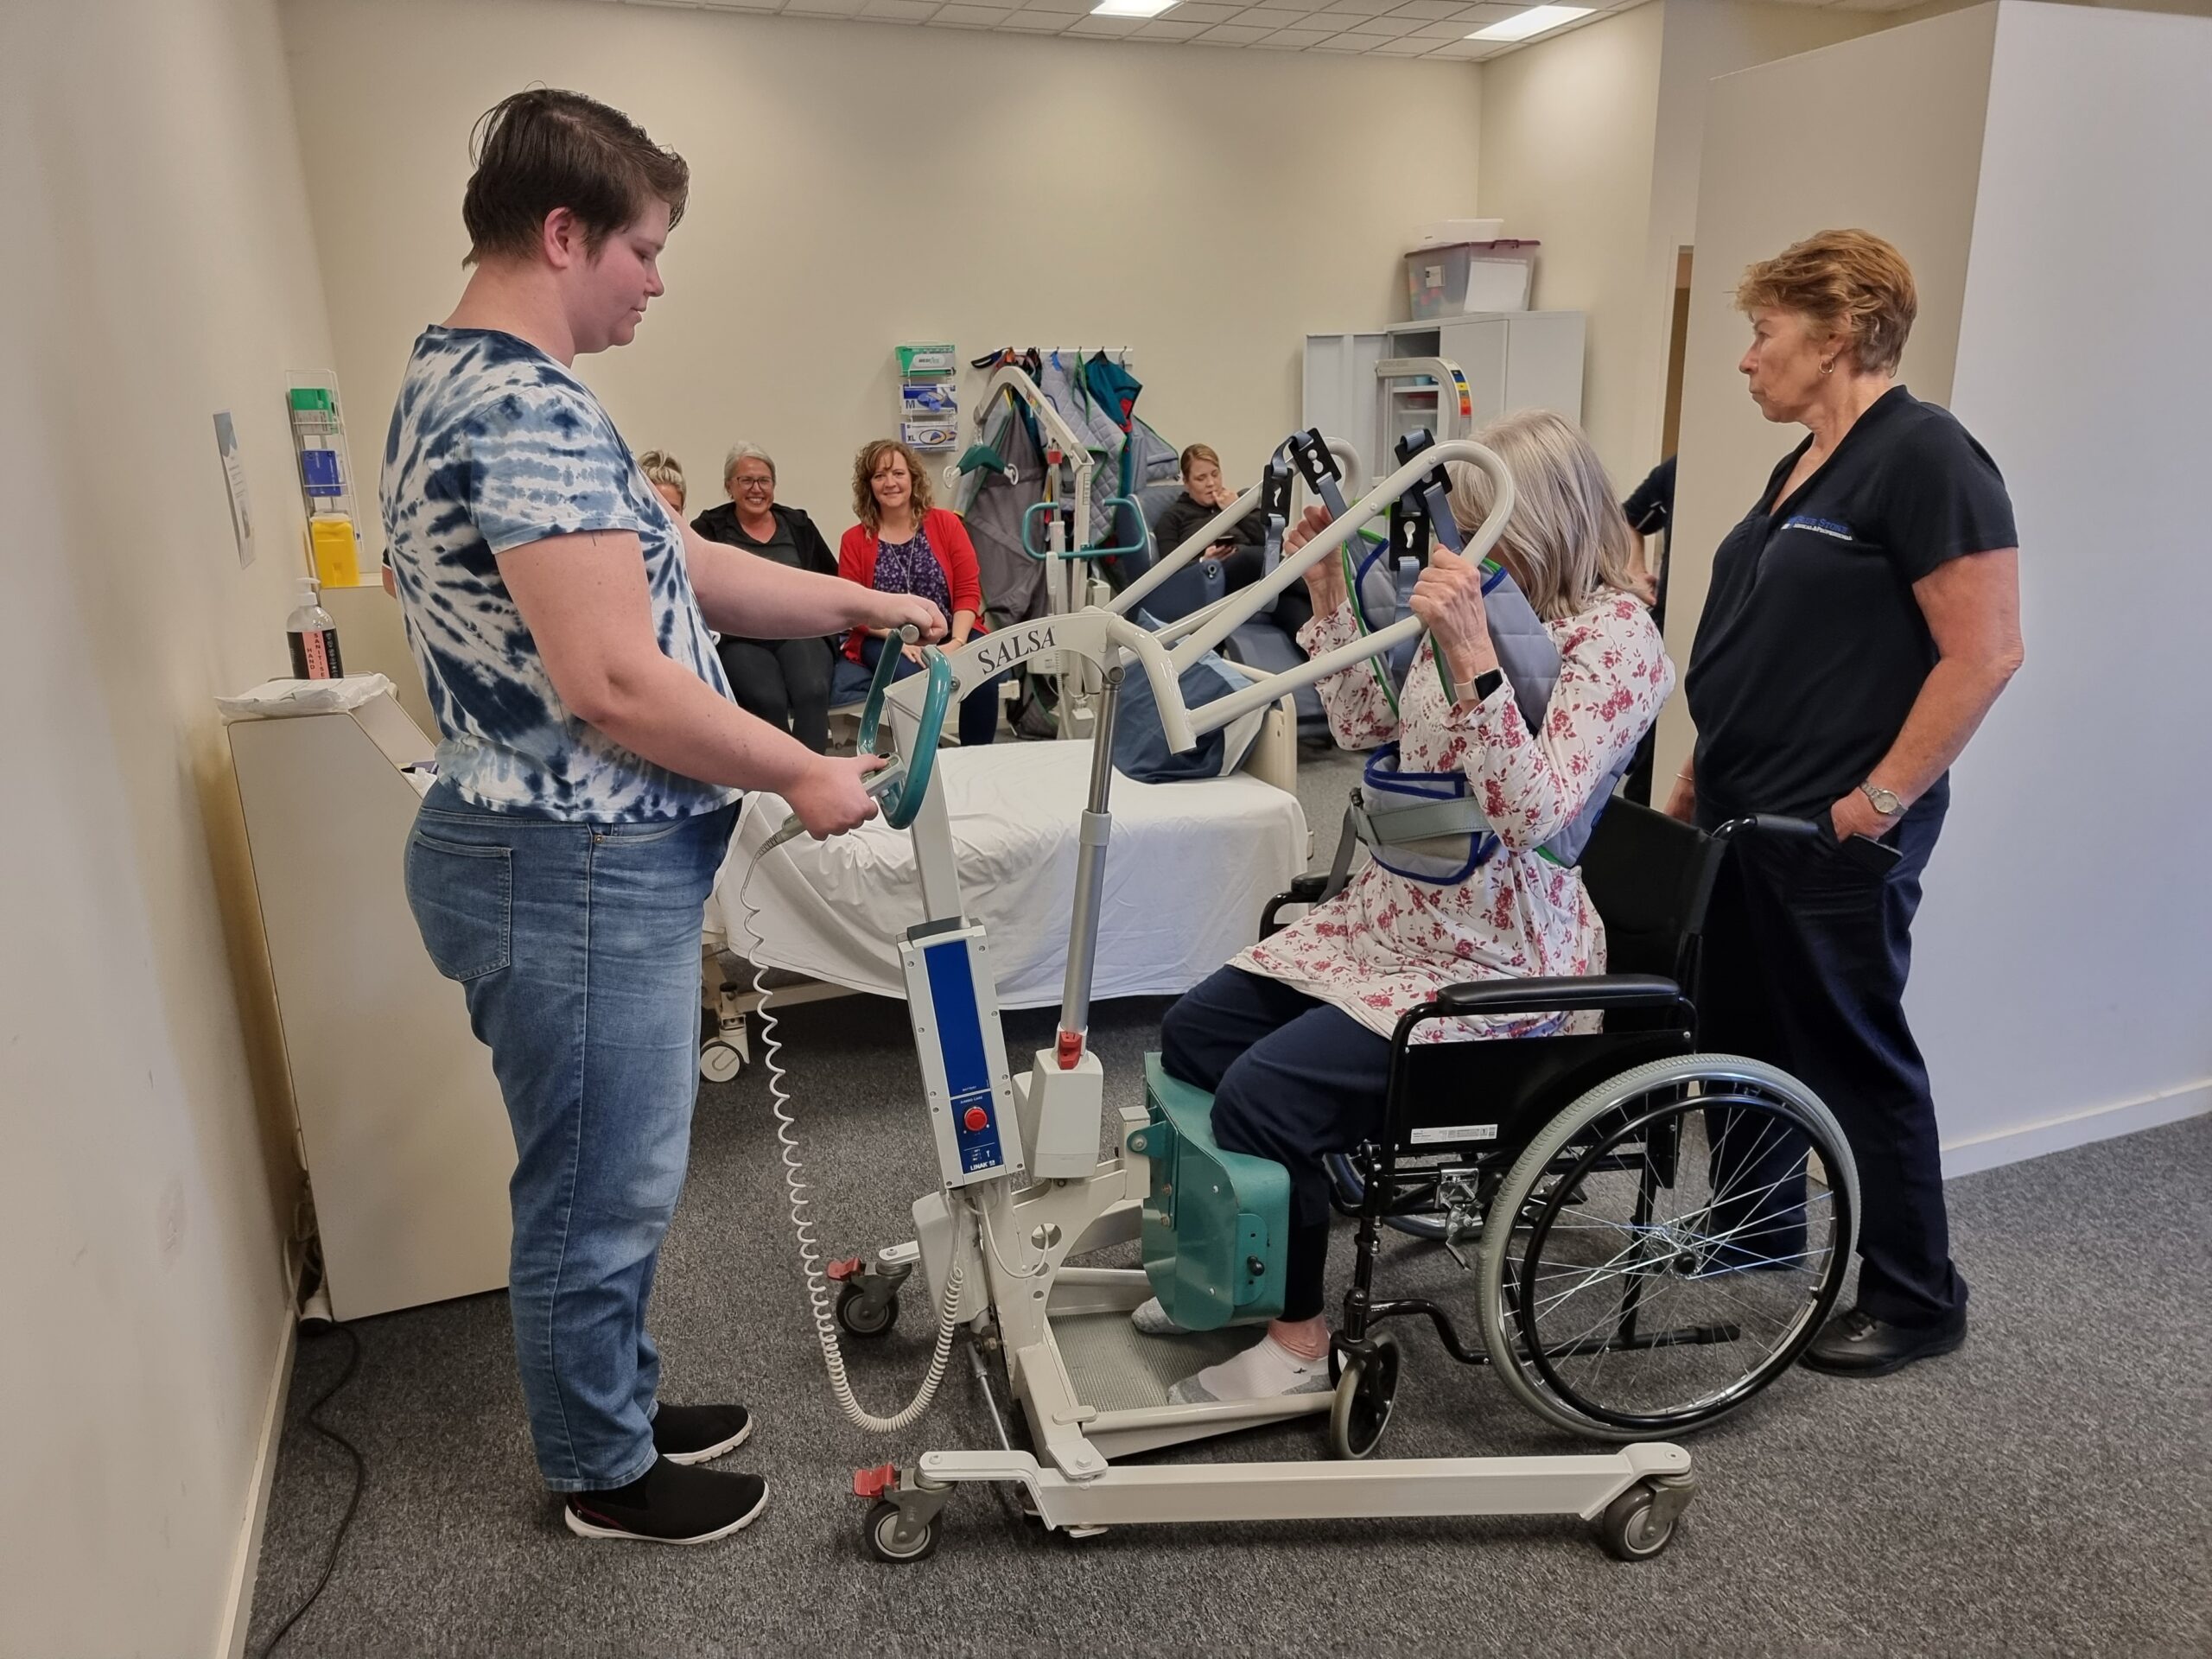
1367	1388
885	1541
1632	1529
860	1315
721	1062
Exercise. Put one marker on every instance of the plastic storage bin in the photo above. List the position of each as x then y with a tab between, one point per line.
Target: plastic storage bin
1468	277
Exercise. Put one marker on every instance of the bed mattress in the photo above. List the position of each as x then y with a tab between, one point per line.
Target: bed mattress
1189	870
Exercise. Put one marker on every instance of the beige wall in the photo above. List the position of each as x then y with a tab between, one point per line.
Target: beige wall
1773	172
858	185
1704	39
1566	134
161	270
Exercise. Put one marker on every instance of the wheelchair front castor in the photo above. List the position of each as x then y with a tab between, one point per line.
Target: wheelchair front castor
867	1311
1367	1388
888	1538
721	1062
1636	1526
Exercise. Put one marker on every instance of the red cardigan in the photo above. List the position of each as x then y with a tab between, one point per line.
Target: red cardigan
955	553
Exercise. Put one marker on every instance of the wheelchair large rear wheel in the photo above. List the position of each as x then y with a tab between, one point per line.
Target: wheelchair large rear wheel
1666	1246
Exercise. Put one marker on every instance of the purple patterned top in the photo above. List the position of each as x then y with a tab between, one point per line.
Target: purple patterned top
910	567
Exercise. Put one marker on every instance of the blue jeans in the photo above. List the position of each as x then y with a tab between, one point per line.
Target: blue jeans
978	714
577	945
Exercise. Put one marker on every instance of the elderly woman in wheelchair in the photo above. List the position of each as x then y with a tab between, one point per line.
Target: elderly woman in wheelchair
1635	1275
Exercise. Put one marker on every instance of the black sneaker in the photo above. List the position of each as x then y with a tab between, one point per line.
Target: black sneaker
699	1433
1859	1345
671	1504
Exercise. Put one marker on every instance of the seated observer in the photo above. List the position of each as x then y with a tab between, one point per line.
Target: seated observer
1240	550
904	545
784	682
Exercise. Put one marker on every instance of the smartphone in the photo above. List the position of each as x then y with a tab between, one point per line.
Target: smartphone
1875	857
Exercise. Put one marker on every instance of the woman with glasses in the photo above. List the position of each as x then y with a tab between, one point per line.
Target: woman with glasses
784	682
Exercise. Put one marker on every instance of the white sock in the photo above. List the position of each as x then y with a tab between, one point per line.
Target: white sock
1153	1321
1265	1370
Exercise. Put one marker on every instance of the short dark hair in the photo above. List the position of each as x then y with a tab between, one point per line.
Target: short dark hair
545	148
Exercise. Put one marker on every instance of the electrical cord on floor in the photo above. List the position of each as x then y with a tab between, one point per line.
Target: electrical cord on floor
360	1469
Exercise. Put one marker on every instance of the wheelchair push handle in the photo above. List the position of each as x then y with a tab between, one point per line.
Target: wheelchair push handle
900	786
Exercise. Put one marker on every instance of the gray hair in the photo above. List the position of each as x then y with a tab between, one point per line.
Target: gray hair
747	452
1567	540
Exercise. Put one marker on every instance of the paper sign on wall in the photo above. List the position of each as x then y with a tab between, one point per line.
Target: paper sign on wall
226	444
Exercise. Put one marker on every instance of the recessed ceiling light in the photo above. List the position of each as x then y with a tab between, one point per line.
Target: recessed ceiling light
1130	8
1534	21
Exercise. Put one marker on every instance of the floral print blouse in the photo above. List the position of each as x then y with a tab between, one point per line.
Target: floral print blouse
1389	942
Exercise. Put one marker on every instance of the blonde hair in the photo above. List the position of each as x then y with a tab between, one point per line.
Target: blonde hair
1196	452
661	468
1567	540
1848	283
864	465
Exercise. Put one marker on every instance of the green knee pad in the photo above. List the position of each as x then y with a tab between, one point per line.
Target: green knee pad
1215	1222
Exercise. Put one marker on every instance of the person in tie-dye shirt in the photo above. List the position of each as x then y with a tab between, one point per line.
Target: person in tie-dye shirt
590	760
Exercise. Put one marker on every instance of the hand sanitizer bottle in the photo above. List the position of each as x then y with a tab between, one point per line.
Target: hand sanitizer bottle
313	634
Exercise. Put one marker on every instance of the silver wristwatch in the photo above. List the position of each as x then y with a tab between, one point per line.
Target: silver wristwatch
1886	800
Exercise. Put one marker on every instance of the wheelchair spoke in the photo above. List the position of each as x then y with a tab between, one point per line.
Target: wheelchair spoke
1665	1300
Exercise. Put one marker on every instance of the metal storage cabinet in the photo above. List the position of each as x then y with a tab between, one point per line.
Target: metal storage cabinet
1512	359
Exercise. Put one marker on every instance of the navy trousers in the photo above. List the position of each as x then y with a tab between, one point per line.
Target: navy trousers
1292	1078
1806	956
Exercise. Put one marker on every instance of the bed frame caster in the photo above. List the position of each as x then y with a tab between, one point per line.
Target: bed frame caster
903	1521
868	1293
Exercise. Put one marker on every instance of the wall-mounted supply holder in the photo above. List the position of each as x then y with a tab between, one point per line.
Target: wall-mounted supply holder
929	395
333	543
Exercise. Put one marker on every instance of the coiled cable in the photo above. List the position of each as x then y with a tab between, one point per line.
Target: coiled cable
821	1300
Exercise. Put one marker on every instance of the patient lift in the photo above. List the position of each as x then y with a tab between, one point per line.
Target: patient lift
1023	1188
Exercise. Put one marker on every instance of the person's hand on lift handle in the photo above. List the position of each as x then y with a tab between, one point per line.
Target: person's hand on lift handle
1448	599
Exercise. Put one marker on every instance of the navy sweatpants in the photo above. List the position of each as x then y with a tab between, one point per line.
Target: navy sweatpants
1806	954
1292	1079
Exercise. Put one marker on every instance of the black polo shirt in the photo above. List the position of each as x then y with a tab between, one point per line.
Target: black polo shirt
1812	648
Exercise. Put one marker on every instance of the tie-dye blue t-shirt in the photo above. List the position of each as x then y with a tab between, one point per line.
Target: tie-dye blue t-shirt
494	445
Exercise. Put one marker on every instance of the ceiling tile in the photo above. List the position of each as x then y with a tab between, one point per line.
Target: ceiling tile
1200	11
1037	23
1166	29
822	8
1230	34
958	16
1402	48
1345	43
899	11
1112	28
1292	39
1443	31
1387	28
1431	11
1271	17
1482	17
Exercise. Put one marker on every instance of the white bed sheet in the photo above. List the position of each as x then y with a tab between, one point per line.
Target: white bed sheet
1189	870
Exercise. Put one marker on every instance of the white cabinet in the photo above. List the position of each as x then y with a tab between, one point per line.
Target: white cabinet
1511	359
406	1140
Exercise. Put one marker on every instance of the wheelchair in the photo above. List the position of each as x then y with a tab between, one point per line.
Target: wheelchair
1657	1232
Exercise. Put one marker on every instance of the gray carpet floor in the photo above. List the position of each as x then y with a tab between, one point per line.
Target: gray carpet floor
2046	1490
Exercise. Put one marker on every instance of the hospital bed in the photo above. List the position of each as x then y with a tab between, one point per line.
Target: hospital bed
1193	866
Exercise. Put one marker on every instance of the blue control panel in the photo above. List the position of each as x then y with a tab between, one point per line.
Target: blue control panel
967	1063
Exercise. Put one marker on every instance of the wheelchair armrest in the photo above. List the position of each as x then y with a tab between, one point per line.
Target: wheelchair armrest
1306	890
1489	996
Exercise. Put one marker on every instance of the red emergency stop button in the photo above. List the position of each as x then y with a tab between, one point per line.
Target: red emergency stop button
976	1120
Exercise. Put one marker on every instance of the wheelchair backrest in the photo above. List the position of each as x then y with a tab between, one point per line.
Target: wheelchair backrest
1651	877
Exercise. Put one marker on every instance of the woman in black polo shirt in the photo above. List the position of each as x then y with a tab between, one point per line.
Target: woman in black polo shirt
1862	619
